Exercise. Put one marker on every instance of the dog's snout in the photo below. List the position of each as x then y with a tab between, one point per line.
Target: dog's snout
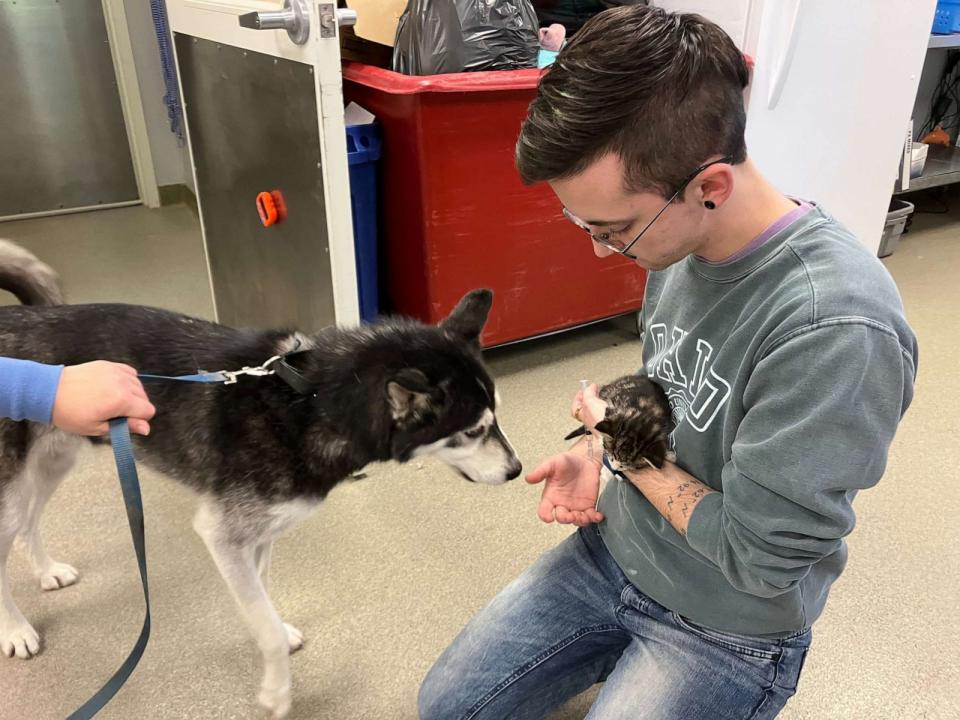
513	472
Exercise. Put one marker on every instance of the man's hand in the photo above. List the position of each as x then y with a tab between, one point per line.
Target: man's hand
570	491
587	407
90	395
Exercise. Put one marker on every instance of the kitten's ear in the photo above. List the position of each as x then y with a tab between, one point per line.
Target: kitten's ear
607	426
612	422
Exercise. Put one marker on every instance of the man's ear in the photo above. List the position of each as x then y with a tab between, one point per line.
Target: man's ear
466	321
411	396
714	185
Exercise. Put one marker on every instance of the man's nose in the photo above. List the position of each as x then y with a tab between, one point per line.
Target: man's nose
601	251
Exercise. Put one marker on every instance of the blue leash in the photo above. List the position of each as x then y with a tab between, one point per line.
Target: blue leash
216	377
130	485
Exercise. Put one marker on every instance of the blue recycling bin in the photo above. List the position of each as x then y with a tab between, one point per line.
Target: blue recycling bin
363	152
946	19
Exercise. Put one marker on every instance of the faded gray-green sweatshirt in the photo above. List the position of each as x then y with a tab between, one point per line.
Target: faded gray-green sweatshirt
788	371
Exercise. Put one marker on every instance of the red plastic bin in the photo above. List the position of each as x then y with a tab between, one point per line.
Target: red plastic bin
455	215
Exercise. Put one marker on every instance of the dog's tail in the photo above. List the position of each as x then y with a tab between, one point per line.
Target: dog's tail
33	282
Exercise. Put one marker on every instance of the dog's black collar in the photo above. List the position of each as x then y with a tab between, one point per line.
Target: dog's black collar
291	376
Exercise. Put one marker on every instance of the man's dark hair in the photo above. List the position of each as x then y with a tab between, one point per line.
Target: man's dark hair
663	91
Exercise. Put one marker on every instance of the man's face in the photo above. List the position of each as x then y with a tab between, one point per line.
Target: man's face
598	198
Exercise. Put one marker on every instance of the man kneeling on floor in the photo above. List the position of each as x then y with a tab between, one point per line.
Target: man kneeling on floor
782	346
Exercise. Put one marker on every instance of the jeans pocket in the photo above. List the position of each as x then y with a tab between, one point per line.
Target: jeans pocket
792	667
754	648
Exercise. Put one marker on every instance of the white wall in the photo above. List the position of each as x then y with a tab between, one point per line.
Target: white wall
731	15
171	162
836	134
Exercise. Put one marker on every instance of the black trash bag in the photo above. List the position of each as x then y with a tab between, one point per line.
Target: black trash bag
447	36
574	14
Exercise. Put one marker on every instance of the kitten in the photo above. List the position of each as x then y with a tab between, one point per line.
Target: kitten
636	425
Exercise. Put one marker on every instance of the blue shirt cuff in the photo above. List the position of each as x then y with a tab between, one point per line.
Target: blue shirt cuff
28	389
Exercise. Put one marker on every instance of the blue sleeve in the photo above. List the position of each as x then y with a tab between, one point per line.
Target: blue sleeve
28	389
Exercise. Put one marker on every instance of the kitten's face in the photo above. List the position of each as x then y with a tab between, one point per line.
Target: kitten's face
637	424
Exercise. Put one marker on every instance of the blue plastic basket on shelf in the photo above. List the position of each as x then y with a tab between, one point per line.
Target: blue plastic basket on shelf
946	19
363	152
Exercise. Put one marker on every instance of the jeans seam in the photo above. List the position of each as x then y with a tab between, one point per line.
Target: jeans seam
538	660
767	690
728	645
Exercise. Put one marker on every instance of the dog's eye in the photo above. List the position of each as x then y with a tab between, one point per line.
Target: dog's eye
475	433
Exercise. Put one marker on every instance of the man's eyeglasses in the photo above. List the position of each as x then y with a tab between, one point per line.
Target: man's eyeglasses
608	238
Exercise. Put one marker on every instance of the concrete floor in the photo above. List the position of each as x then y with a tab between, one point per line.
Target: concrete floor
388	570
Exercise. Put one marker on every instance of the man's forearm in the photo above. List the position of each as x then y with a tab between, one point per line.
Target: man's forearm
672	491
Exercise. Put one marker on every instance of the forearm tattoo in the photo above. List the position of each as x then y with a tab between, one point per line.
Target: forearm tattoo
672	492
682	501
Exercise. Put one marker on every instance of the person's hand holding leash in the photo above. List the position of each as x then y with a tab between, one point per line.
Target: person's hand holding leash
89	395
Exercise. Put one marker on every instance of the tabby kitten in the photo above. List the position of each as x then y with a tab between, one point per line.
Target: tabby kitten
636	425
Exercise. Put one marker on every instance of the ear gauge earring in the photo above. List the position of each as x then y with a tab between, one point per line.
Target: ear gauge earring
710	205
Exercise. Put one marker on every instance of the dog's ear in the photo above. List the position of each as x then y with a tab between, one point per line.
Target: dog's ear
466	321
411	395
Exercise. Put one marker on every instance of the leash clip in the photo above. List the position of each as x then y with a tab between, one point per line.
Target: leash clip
259	371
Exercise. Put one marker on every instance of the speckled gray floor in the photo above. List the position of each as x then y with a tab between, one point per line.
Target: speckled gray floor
383	576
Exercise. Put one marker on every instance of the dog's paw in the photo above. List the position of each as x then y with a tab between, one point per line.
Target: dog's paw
276	701
294	637
20	640
58	575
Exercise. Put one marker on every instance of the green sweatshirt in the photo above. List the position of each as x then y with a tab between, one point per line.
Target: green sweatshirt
788	371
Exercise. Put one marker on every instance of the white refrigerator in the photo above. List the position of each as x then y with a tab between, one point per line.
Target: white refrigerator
831	95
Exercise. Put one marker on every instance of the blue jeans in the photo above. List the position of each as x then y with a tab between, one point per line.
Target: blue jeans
572	620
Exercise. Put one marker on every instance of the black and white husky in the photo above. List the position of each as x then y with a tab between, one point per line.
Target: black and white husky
260	454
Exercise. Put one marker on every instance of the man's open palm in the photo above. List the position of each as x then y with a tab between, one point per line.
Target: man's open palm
572	483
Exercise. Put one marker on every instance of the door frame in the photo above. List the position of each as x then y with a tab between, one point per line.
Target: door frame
131	102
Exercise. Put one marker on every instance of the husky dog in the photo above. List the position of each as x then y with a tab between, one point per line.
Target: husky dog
260	453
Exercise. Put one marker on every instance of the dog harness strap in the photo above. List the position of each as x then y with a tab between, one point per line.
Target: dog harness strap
130	485
292	377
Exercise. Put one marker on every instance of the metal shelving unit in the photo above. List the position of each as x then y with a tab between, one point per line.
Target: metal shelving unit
942	168
944	41
943	163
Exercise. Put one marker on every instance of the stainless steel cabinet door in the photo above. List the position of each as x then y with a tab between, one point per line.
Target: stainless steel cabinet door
264	113
253	129
63	143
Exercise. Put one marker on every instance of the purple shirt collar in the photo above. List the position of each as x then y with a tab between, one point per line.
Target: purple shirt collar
785	220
